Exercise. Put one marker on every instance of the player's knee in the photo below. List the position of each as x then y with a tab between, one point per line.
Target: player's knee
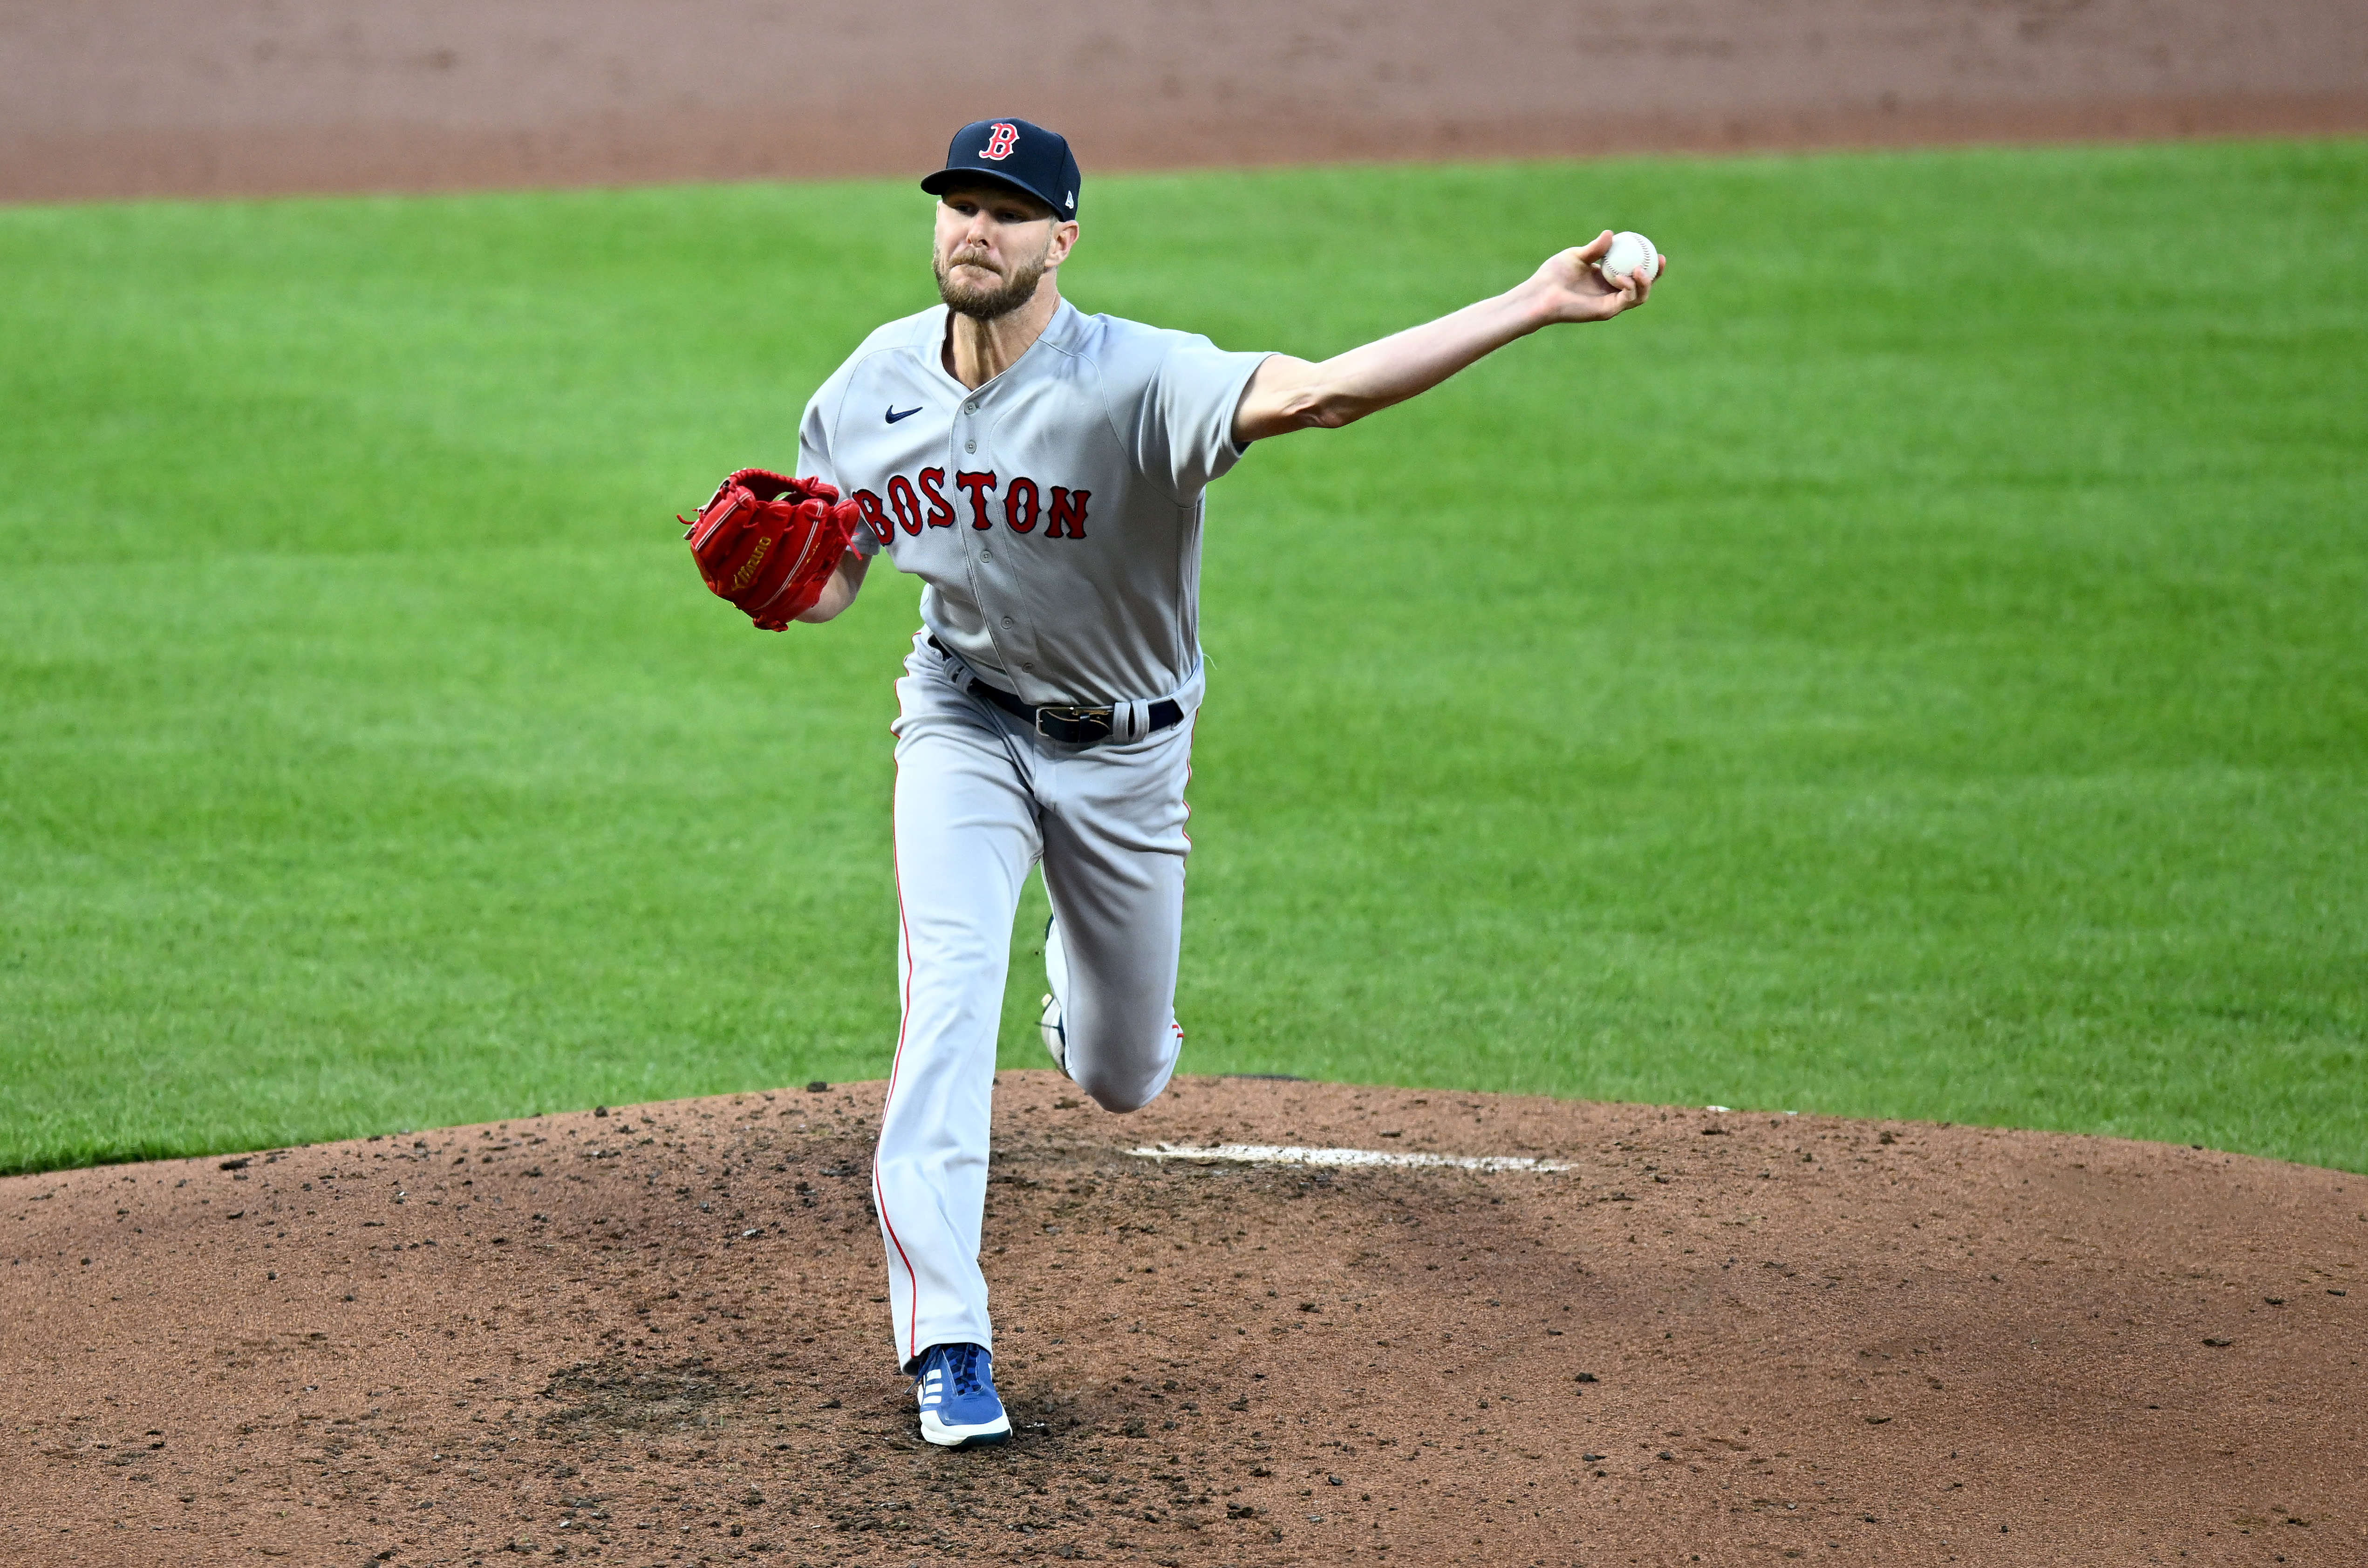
1124	1085
1120	1093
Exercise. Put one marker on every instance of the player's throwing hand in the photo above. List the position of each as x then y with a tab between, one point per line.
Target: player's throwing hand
1572	287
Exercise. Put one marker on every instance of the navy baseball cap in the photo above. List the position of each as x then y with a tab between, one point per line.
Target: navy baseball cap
1026	157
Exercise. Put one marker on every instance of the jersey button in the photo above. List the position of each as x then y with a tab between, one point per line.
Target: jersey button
986	555
970	446
1008	623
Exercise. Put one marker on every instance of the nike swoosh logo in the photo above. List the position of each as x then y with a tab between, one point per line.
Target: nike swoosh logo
894	416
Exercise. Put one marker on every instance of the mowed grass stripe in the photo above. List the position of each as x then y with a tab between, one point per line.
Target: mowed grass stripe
1920	667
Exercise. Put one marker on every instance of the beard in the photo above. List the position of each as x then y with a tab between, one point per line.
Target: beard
985	303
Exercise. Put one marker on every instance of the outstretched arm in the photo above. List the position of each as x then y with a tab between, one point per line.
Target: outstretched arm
1286	395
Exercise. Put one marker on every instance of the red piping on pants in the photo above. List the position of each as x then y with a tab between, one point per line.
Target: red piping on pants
880	1193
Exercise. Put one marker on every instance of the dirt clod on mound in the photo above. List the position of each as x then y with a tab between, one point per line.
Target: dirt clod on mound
659	1337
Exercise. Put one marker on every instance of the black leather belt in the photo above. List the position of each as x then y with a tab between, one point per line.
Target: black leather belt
1068	724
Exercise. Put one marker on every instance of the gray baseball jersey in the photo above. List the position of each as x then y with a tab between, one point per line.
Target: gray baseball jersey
1054	513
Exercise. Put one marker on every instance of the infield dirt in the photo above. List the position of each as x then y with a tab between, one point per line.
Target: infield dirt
660	1337
209	98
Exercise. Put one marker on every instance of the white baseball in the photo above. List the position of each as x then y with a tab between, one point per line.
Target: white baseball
1630	251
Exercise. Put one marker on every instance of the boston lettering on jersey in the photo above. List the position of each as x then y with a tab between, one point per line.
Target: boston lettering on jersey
1107	432
921	502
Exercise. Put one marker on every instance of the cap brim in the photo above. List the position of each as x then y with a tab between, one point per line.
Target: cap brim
946	179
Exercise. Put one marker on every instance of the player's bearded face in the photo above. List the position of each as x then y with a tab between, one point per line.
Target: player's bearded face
975	282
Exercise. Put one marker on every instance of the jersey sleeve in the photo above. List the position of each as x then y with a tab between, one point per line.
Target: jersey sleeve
1184	432
816	434
815	431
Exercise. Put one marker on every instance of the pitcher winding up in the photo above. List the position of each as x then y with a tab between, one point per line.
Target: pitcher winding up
1044	472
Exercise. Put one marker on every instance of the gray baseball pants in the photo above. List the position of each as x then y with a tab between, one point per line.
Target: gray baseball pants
980	799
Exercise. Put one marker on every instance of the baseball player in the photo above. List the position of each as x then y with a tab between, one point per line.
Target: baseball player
1042	471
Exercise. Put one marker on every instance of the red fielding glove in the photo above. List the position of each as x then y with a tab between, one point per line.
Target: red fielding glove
769	544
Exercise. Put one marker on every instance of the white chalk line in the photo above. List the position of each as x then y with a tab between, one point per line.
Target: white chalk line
1293	1154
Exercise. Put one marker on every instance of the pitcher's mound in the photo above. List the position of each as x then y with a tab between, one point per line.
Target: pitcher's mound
659	1337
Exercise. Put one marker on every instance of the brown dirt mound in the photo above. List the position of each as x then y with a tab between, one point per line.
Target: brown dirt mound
658	1336
112	97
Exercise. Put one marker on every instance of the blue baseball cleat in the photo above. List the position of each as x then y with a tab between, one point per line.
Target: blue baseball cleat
1056	1033
959	1407
1056	975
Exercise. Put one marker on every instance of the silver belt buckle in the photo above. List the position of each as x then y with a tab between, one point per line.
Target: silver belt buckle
1086	725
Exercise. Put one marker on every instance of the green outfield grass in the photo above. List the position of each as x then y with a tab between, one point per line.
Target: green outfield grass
1916	668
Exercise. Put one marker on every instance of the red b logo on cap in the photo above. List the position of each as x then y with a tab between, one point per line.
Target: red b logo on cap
1001	138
